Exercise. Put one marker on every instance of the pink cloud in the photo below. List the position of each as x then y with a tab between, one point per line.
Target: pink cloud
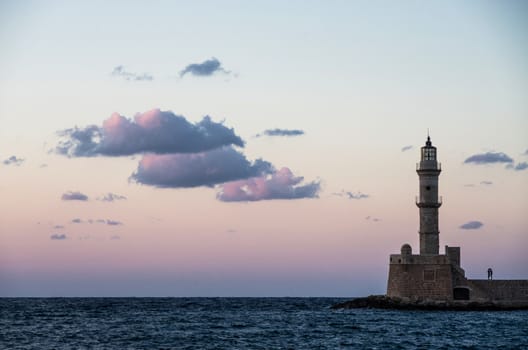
154	131
197	169
279	185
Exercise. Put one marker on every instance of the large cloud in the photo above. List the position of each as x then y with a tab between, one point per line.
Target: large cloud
489	157
279	185
472	225
154	131
74	196
281	132
198	169
206	68
13	160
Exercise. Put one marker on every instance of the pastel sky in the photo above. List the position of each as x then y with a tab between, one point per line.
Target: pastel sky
261	148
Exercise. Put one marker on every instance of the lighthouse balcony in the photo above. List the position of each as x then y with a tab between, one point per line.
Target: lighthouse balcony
420	203
431	165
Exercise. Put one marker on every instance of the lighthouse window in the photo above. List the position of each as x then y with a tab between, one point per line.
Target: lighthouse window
428	153
428	188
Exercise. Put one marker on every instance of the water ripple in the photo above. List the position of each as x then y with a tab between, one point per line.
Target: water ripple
246	323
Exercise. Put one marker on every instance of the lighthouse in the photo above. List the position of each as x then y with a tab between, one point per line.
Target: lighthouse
430	275
428	201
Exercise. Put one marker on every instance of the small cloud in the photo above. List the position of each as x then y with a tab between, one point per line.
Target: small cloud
113	223
74	196
58	237
486	183
111	197
43	165
489	158
278	185
13	160
101	221
471	225
120	71
407	148
77	221
351	195
370	218
58	227
281	132
115	237
204	69
521	166
231	230
525	153
469	185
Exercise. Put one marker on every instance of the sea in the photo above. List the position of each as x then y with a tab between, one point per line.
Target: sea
246	323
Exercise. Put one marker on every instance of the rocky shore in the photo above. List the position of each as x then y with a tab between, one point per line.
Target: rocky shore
385	302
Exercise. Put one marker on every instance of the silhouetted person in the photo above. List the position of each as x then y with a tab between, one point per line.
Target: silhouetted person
490	273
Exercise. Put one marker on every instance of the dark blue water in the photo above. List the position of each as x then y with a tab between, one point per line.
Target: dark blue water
246	323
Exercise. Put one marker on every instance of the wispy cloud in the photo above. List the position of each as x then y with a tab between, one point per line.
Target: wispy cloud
111	197
351	195
155	131
13	160
281	132
58	237
471	225
113	223
98	221
74	196
279	185
486	183
370	218
120	71
58	227
406	148
199	169
204	69
489	158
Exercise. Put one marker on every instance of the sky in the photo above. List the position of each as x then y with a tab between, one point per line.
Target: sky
263	148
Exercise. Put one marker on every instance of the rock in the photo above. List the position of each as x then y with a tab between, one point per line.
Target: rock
385	302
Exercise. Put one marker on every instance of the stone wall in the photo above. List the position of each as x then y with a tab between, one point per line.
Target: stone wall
499	289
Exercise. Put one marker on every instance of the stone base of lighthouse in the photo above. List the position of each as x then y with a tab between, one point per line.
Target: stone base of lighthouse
440	277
